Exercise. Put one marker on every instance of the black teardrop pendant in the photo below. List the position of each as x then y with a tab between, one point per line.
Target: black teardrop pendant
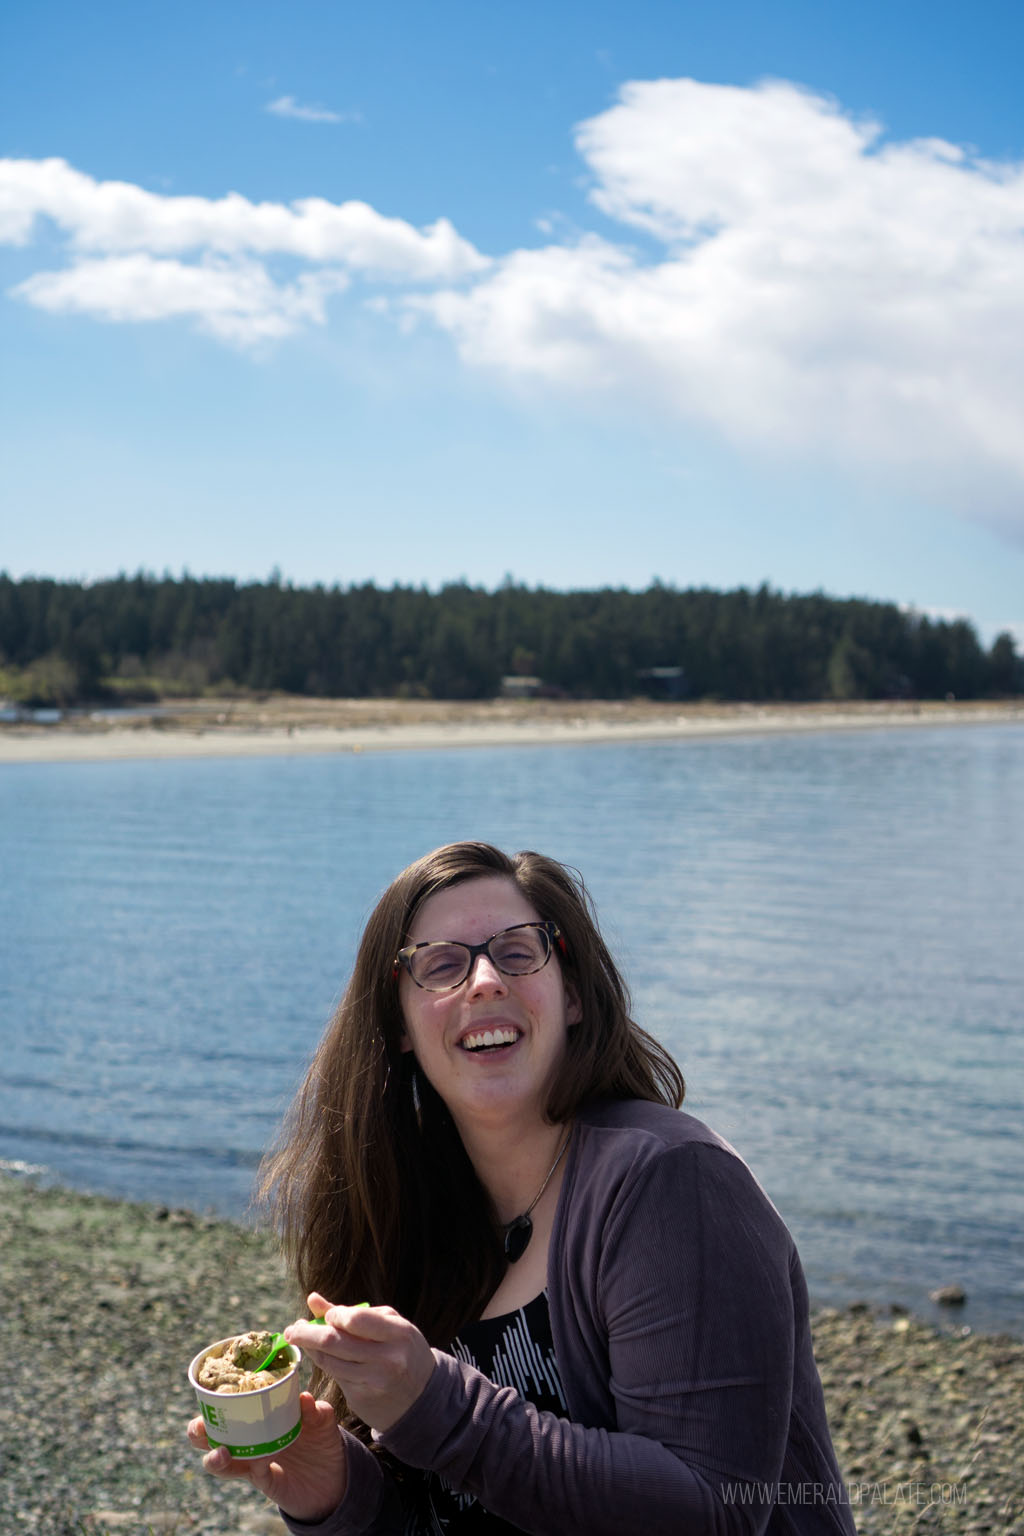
517	1237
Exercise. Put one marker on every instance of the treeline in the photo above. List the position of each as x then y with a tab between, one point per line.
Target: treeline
140	637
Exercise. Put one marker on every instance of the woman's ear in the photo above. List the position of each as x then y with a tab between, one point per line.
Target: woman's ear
573	1006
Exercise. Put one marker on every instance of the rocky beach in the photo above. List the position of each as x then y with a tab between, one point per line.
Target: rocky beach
104	1302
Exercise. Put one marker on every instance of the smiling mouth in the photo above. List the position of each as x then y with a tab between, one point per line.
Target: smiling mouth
489	1039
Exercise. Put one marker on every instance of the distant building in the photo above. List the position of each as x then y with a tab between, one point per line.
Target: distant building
664	682
515	687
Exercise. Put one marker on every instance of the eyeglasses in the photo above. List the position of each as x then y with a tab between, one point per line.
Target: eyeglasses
442	965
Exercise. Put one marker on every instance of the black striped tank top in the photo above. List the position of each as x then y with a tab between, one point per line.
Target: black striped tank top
515	1350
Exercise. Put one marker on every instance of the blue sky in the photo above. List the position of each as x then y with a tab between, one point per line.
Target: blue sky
585	294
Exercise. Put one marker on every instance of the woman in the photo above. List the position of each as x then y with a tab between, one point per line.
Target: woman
584	1314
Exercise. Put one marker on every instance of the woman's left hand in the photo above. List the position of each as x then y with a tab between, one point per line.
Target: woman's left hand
380	1360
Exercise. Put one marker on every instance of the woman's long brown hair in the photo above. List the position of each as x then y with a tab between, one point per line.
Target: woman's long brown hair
369	1185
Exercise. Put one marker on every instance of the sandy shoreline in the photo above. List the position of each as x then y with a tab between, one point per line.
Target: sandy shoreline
292	727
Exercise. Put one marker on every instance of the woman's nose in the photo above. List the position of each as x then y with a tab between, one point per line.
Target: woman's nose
484	977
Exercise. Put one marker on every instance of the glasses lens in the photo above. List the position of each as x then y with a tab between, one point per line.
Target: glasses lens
518	951
439	966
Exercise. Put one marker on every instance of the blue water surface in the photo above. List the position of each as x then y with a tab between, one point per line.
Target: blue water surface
827	930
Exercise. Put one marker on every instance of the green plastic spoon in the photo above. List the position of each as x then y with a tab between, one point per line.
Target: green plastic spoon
279	1342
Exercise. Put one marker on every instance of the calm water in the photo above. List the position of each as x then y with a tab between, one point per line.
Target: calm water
828	932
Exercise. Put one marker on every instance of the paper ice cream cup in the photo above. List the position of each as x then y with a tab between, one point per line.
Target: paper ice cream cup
250	1424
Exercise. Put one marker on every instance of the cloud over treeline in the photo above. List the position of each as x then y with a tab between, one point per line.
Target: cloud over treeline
140	255
761	262
797	282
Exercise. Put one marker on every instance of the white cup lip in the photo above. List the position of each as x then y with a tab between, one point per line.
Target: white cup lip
296	1358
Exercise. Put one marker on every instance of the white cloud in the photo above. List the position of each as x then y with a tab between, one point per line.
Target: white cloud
141	256
234	300
287	106
111	217
812	289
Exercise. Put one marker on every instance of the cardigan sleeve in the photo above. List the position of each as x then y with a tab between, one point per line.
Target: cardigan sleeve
694	1301
372	1505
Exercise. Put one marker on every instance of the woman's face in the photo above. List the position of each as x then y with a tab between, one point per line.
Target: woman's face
504	1085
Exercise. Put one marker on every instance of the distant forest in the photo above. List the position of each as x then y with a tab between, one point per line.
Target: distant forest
142	637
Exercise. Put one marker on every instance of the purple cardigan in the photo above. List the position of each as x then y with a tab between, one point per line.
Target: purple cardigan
680	1322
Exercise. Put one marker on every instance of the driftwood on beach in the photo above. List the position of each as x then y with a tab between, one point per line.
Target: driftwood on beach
104	1302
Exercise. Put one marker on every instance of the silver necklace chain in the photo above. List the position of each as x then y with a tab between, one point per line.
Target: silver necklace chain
519	1230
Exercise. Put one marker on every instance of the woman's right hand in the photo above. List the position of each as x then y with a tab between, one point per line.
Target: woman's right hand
307	1480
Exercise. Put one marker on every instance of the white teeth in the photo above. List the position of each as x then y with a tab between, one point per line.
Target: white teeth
487	1037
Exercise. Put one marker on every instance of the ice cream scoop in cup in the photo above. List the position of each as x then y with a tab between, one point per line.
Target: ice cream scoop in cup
277	1343
253	1412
